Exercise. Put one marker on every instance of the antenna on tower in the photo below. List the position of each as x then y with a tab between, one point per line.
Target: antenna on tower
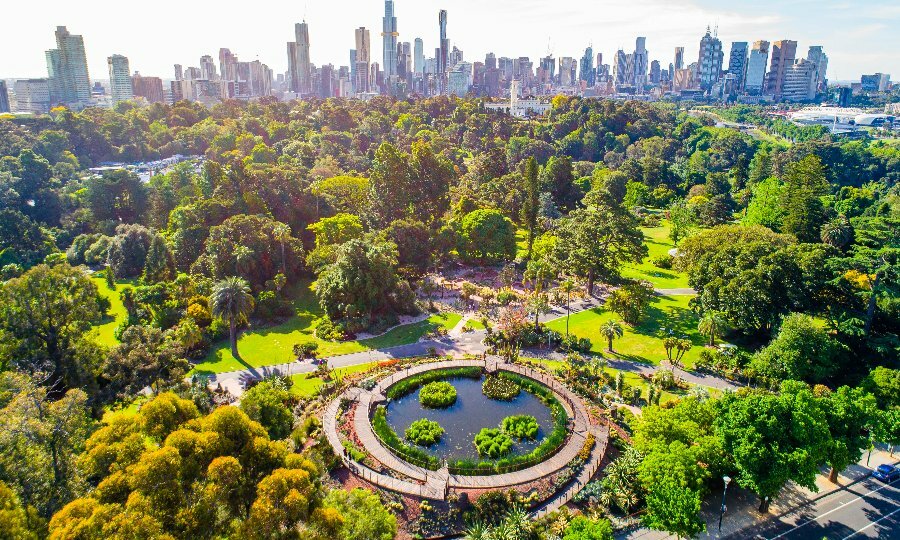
549	46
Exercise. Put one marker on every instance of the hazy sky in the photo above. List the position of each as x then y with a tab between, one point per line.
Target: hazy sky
859	36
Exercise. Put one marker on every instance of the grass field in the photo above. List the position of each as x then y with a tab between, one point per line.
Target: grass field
642	343
307	385
274	345
658	243
104	331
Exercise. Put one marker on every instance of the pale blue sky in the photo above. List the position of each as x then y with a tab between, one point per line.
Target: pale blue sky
860	36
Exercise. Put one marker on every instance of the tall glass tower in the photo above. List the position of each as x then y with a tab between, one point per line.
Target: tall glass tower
389	36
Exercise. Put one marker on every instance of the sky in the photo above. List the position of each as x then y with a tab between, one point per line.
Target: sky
859	36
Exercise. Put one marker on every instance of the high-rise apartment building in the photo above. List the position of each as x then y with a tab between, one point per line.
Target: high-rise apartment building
679	57
363	61
443	52
208	68
784	52
69	82
737	64
755	79
299	65
418	56
620	68
4	97
32	96
389	37
149	88
227	65
655	72
709	64
119	79
641	62
818	57
799	81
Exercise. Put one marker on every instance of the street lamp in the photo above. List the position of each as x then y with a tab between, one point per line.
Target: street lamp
727	480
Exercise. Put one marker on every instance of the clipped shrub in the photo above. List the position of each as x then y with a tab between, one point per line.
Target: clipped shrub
499	388
424	432
521	426
437	395
492	443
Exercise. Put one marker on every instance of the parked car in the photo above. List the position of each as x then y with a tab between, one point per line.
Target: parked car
886	473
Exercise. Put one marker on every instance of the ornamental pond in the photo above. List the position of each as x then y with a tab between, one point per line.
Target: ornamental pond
465	418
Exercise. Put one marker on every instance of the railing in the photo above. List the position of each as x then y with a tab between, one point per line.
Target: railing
399	454
464	470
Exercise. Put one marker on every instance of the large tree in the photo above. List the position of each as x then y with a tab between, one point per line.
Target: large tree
44	319
487	236
232	302
146	357
802	350
804	185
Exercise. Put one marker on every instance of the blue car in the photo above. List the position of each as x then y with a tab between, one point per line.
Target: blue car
886	473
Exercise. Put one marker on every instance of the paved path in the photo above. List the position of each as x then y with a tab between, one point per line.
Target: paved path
682	291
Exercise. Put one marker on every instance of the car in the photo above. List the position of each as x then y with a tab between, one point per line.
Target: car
886	473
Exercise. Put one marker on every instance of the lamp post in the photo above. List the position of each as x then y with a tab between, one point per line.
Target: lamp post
727	480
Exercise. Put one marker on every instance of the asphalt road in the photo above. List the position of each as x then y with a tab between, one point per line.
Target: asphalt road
866	509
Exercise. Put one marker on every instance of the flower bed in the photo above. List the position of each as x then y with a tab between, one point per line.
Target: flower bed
492	443
437	395
521	426
424	432
500	388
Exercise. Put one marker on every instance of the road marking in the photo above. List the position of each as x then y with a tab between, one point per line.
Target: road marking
817	518
873	523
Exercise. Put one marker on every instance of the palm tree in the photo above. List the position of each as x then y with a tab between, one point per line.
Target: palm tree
712	324
282	234
838	232
567	287
611	330
232	302
242	257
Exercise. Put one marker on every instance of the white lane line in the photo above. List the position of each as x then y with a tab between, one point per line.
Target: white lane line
873	523
817	518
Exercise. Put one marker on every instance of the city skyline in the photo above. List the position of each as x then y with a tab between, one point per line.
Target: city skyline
865	45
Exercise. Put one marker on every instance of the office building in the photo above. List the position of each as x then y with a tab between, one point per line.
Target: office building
588	73
878	82
4	97
363	61
709	64
737	65
640	63
460	79
120	88
755	79
818	57
149	88
443	52
784	52
68	81
389	37
32	96
620	68
799	81
418	56
655	72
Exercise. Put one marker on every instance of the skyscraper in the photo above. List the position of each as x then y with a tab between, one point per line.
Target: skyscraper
208	68
818	57
389	37
654	72
799	81
737	63
444	52
641	62
709	64
588	73
299	66
679	57
784	52
149	88
754	82
67	67
4	97
119	79
621	68
418	56
363	82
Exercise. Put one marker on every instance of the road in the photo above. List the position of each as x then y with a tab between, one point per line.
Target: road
867	509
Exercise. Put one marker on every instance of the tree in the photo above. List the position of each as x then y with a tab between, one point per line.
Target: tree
582	528
487	235
611	330
630	301
146	357
884	384
773	439
851	413
765	205
267	403
804	184
344	193
19	523
838	232
363	515
415	246
674	509
676	348
159	265
538	305
127	253
232	302
40	439
117	195
802	350
44	318
712	324
594	242
282	234
558	180
532	200
682	221
332	232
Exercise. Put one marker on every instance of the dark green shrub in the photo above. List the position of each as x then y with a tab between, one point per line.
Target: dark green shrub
493	443
414	455
424	432
662	261
521	426
437	395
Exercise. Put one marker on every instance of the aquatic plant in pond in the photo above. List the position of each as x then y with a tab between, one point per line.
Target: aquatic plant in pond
437	395
521	426
493	443
424	432
496	387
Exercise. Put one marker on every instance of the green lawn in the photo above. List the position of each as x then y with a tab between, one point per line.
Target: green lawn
474	324
105	330
658	243
642	343
521	243
307	385
274	345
